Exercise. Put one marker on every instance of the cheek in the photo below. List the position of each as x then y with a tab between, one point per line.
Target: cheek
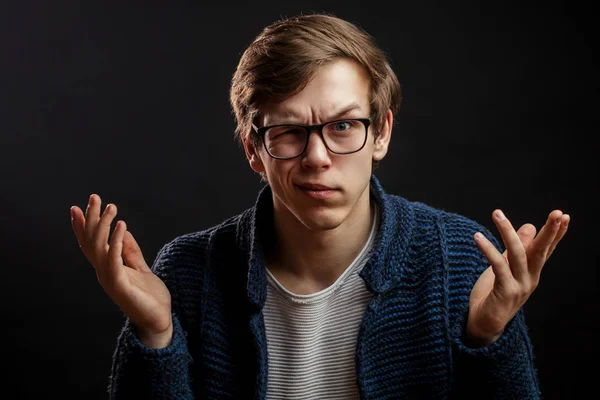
354	172
278	172
361	163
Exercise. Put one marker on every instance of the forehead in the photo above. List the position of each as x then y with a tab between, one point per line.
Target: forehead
337	87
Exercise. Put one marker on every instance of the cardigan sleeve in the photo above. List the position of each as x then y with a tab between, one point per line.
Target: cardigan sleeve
502	370
140	372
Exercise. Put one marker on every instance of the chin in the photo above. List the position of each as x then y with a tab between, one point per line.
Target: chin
322	218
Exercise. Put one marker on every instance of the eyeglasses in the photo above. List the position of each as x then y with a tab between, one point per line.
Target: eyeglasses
342	136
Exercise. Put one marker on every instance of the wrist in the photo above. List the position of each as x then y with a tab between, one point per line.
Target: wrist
155	340
475	340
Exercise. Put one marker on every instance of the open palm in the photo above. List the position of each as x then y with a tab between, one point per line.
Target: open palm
121	269
512	276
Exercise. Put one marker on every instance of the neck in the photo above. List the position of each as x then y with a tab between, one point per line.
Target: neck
307	260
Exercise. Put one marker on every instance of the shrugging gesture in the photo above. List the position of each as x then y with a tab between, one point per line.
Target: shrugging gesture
123	272
512	276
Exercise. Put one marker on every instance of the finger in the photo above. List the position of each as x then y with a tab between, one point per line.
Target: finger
115	251
566	218
133	254
526	234
497	261
78	224
516	255
100	240
540	246
92	215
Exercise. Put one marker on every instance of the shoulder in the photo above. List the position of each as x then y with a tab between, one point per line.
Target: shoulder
193	249
459	231
460	255
451	226
432	229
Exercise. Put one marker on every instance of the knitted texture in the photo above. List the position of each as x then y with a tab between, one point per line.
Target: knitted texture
411	340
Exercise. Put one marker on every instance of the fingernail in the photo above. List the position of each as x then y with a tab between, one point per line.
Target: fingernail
500	216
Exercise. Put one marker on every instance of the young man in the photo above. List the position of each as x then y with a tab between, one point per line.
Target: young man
328	288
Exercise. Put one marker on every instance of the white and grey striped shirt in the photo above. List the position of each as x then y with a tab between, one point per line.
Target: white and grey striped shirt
311	339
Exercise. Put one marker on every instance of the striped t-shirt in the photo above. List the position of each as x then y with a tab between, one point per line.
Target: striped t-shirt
311	339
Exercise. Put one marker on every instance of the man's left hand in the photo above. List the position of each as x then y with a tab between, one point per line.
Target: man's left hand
512	276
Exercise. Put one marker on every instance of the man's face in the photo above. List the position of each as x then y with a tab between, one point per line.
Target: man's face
319	189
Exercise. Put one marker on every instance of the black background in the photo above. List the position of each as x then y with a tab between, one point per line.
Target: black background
131	102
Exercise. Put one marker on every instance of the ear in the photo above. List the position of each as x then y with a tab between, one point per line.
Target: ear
253	155
383	140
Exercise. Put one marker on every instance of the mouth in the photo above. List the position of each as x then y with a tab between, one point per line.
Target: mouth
316	191
313	186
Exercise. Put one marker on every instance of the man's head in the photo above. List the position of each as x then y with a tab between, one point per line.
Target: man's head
310	70
285	56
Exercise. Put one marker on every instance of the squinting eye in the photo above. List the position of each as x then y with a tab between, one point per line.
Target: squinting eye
285	130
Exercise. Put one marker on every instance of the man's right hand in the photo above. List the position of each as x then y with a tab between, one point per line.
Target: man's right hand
132	285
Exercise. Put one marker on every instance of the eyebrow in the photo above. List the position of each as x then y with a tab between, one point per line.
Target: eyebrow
288	116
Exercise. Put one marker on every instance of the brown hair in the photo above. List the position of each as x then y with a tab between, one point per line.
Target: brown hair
285	56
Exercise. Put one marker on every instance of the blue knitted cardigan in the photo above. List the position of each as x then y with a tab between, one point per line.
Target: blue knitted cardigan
411	340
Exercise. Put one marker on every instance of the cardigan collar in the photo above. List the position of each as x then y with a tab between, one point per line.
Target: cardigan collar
384	267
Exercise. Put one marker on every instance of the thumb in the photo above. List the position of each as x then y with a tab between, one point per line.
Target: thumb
132	254
526	234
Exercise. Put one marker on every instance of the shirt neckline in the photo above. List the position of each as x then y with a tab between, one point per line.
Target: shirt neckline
306	298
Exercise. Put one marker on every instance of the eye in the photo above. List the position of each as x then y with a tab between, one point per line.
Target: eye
287	130
342	125
347	126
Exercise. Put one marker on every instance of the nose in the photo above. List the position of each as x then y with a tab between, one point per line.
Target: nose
316	155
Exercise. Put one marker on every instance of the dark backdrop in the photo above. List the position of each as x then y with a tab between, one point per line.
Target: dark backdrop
131	102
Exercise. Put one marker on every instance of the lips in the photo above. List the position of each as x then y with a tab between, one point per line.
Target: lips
314	186
317	191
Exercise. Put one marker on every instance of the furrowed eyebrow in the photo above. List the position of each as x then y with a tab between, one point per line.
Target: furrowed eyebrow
346	110
291	117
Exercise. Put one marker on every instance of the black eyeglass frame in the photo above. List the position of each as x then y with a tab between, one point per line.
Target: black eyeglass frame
310	128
